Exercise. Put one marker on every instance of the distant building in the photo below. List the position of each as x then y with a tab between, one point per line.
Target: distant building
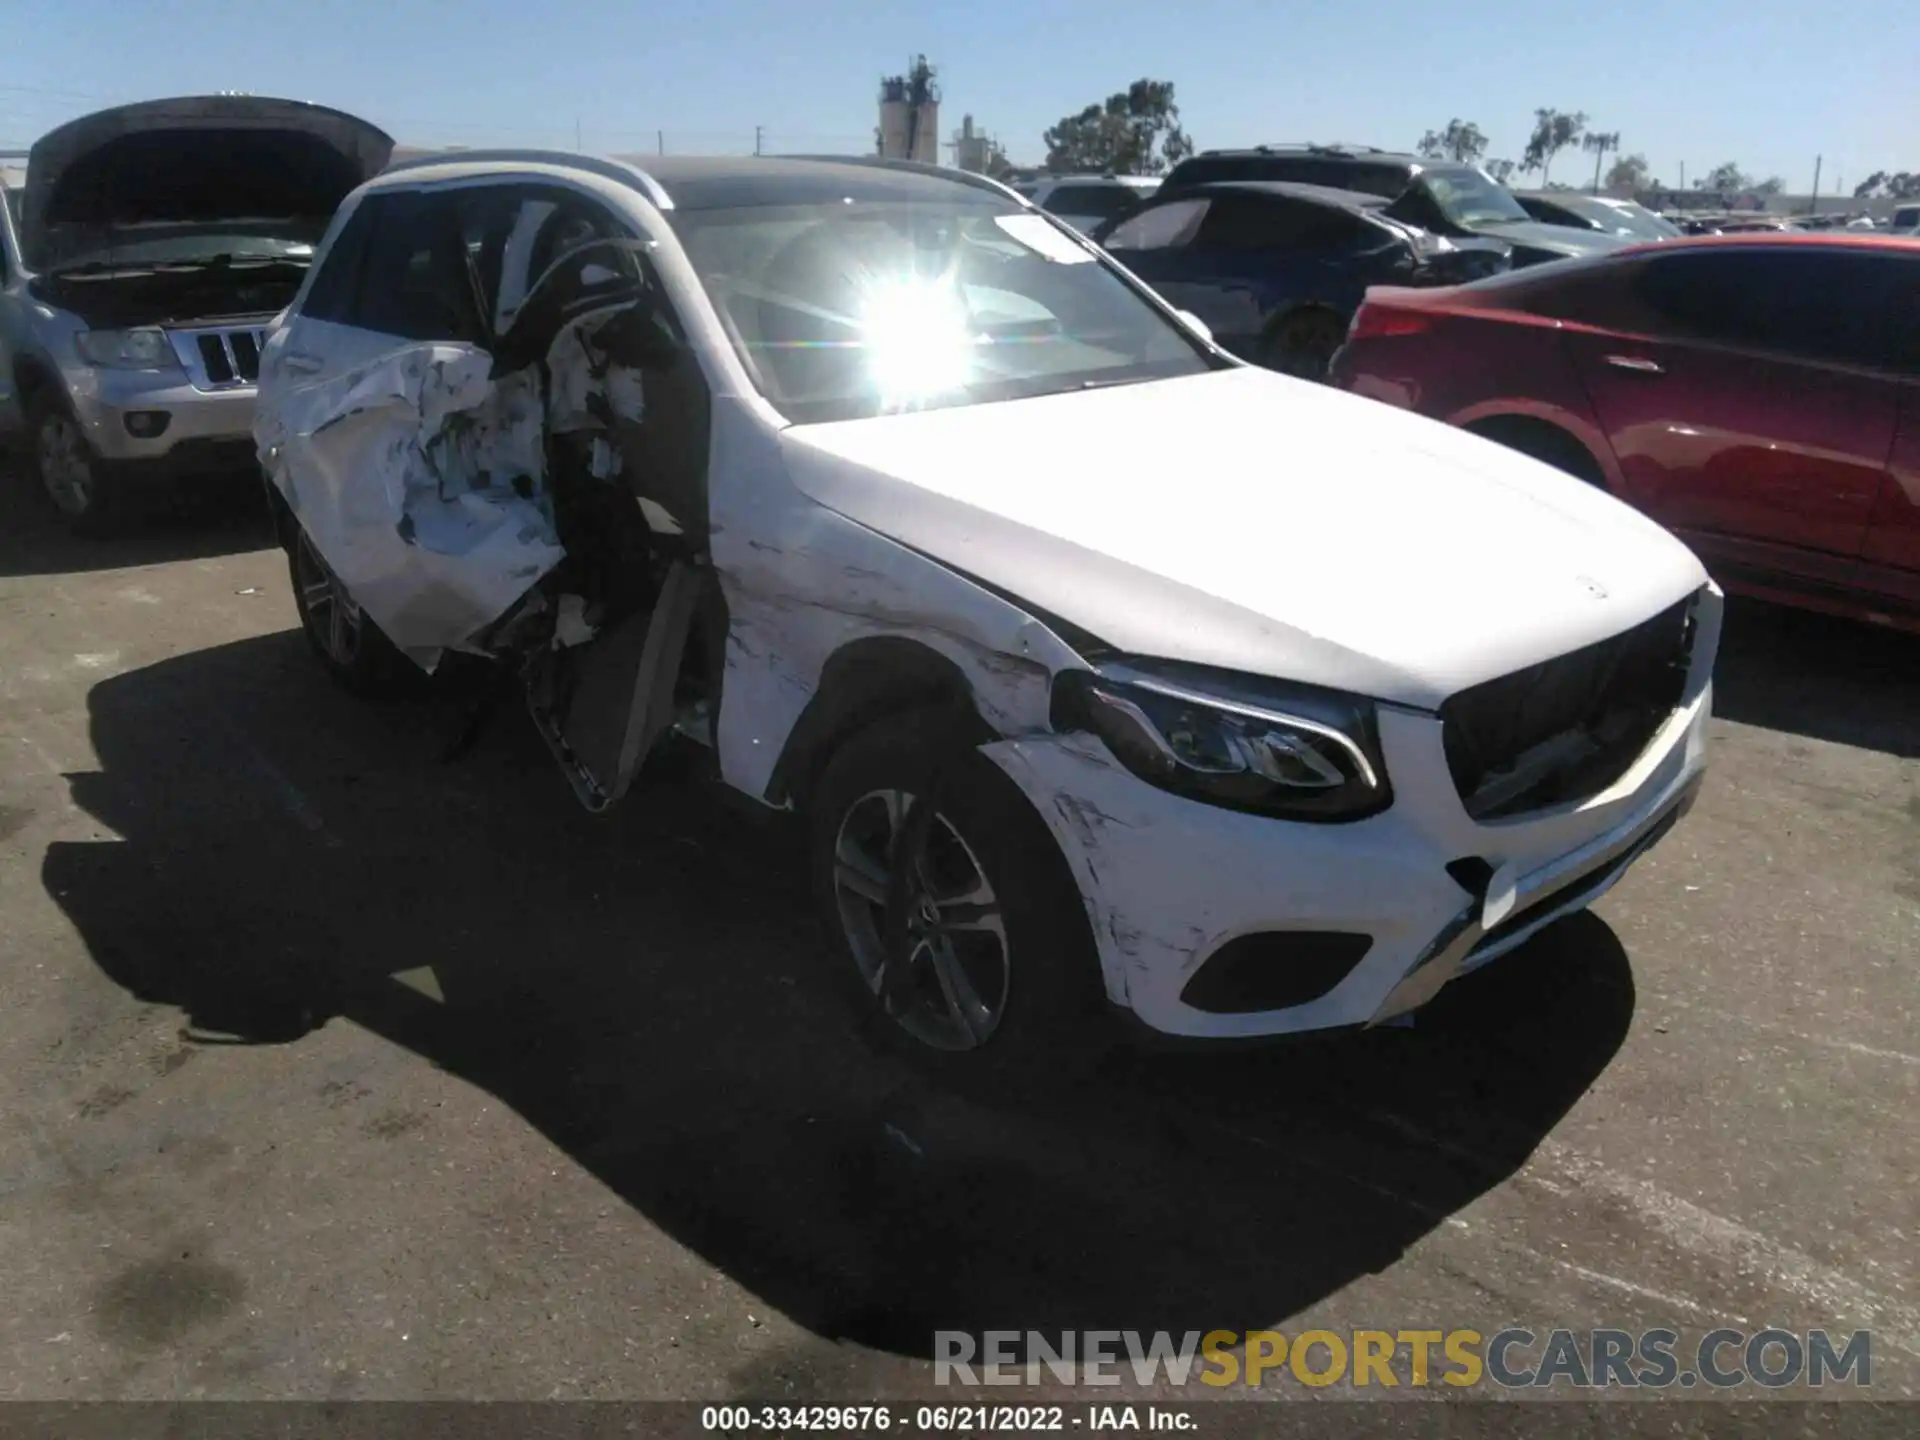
1659	197
970	150
910	115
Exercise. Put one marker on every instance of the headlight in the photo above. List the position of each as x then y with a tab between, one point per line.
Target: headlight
1240	743
126	349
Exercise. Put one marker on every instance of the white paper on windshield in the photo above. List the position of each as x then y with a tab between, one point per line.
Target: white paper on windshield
1038	234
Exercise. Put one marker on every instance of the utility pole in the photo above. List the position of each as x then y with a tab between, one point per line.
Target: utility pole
660	142
1813	205
1683	174
758	132
576	134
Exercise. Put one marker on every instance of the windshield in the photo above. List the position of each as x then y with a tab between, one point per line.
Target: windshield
1472	197
854	309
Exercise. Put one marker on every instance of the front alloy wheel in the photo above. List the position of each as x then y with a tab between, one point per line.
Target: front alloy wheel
921	920
960	938
66	466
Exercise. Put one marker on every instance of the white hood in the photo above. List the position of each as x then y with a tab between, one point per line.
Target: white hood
1256	523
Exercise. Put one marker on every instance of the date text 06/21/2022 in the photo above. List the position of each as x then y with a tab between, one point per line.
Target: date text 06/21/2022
970	1419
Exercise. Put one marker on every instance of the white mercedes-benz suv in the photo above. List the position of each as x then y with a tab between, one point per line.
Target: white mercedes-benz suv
1102	666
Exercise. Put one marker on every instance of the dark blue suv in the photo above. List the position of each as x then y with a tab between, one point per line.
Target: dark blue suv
1277	270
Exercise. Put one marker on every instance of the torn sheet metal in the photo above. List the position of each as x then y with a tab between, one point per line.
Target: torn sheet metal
420	478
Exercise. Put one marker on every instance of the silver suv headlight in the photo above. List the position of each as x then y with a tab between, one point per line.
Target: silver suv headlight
1240	742
142	349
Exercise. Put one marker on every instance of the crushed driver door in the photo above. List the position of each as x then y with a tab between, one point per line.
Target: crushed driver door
472	450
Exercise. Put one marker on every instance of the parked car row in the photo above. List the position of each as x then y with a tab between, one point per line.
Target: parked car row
1757	394
1274	710
1760	398
1276	271
1273	247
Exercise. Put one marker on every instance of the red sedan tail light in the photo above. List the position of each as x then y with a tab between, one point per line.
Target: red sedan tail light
1374	321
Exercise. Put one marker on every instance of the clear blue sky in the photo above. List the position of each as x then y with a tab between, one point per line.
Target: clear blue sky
1765	83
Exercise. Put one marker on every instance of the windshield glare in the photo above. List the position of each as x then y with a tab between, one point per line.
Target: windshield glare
1471	197
860	309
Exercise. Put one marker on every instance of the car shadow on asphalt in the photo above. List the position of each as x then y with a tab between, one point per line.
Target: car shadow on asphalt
1819	676
647	989
187	520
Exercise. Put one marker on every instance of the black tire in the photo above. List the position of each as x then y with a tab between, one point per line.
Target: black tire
354	650
1303	344
1045	1009
84	491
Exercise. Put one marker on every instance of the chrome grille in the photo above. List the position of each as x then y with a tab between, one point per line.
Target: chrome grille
220	359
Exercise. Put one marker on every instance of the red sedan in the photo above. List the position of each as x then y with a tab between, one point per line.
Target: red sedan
1757	394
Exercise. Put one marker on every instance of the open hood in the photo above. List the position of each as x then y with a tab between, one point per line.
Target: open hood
1258	524
206	164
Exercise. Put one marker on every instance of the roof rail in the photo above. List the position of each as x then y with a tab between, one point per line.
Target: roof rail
621	172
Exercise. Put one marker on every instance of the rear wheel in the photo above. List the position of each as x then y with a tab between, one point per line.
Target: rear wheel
354	650
1546	443
1303	344
959	935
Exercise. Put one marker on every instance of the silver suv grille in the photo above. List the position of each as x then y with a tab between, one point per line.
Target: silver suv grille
220	359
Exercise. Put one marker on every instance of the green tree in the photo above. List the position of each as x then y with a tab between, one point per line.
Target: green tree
1724	179
1501	170
1772	185
1600	144
1891	185
1553	131
1629	175
1462	141
1135	132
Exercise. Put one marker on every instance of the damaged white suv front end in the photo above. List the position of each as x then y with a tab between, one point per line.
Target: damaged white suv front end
1102	666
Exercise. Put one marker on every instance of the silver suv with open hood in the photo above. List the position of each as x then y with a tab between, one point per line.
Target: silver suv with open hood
141	261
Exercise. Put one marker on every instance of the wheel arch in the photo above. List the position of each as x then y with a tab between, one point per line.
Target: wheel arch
1293	310
33	377
1545	438
864	681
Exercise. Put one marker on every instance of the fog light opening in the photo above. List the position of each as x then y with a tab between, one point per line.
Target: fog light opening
147	424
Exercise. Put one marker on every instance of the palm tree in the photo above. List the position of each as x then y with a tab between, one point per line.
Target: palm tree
1599	144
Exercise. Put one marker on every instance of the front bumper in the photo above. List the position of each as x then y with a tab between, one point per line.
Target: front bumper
1168	882
205	431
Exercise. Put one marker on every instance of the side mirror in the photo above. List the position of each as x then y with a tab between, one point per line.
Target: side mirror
1194	323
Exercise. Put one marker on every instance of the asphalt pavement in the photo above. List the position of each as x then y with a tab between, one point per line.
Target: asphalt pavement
335	1068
